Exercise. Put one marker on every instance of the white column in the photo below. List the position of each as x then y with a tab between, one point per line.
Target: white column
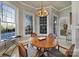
75	22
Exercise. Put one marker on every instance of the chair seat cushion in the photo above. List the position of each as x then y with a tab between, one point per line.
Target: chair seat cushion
55	53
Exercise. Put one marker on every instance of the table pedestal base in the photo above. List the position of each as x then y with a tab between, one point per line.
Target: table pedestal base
41	51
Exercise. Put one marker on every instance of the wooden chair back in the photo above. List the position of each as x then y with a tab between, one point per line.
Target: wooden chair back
22	50
69	52
33	34
52	36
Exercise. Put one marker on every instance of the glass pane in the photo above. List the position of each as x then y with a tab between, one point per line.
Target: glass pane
0	10
4	12
54	25
4	6
9	19
9	14
4	19
7	31
13	27
9	26
13	11
9	9
43	25
13	15
0	17
13	20
28	25
0	3
3	27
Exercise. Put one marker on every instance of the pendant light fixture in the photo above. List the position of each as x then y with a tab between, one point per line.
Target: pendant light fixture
42	11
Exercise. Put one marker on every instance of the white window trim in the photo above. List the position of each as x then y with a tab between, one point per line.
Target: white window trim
58	23
24	15
0	29
16	20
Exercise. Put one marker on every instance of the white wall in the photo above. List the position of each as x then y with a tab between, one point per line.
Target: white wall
75	22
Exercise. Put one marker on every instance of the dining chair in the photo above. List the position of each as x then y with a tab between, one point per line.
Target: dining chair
18	36
38	53
22	50
56	52
51	35
10	47
33	34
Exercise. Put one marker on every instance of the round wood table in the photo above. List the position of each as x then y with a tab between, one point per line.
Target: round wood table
44	44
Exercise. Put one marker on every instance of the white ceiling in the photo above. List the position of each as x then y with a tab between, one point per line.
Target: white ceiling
57	4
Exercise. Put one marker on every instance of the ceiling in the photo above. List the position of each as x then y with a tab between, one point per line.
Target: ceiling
56	4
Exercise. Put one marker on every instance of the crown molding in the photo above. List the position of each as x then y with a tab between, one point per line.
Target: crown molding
45	7
27	5
64	8
55	8
37	8
50	7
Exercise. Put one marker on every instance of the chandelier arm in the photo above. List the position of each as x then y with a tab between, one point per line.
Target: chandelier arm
42	11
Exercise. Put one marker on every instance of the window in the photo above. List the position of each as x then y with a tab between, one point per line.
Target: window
7	22
28	24
55	25
43	25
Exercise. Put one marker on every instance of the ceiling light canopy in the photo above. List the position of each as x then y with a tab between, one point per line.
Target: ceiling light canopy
42	12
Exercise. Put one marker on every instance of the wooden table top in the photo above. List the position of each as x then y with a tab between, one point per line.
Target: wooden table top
44	43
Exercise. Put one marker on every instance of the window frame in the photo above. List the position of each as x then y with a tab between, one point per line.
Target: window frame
43	25
33	21
38	26
57	27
